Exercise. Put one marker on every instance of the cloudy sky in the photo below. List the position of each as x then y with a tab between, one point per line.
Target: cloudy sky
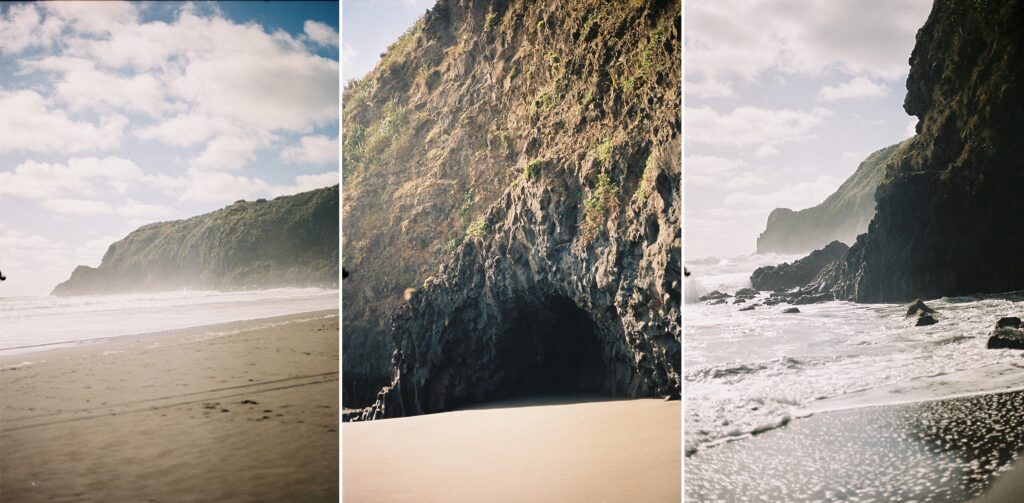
370	26
115	115
784	98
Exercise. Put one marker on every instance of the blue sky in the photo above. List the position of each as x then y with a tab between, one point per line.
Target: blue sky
784	98
121	114
370	26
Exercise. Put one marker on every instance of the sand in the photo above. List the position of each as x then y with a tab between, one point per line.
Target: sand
161	417
542	449
934	451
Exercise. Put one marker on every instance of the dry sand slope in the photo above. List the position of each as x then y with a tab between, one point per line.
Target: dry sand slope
166	417
544	449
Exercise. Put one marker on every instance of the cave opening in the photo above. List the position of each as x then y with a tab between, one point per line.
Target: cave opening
551	346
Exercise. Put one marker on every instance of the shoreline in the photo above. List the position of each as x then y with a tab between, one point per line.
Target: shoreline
284	318
953	449
238	411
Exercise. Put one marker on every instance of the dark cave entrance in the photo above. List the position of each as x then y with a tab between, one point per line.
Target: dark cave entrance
551	346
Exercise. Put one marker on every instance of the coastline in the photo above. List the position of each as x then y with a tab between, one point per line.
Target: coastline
547	448
239	411
938	450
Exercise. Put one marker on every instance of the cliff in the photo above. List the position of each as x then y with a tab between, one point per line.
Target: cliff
949	208
842	216
516	164
291	241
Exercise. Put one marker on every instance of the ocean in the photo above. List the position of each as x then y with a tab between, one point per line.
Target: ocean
34	323
753	371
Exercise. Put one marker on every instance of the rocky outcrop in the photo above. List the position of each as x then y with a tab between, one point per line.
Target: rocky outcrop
841	217
477	97
291	241
1007	335
949	208
570	279
800	272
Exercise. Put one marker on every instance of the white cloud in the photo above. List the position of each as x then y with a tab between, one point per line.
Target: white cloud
93	17
316	150
304	183
750	126
40	180
734	41
349	55
78	207
744	181
321	33
858	87
22	27
83	86
229	152
701	170
794	196
27	124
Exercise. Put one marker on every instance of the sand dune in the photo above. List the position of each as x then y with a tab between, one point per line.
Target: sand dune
167	417
545	449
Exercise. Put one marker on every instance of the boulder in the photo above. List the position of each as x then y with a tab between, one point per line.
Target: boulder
748	308
746	293
1008	321
715	295
924	320
791	310
1006	338
917	308
800	272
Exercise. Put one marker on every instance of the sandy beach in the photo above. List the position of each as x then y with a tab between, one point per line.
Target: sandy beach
243	411
539	449
936	451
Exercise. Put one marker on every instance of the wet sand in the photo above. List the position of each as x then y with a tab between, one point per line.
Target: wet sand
540	449
167	417
935	451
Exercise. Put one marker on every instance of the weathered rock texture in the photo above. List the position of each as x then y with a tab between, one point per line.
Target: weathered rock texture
948	218
841	217
557	275
291	241
800	272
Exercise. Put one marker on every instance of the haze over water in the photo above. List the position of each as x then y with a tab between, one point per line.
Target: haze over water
28	322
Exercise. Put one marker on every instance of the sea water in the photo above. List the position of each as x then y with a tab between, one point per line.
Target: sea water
751	371
35	323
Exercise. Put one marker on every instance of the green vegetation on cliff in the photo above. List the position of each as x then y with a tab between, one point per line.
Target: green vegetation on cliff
291	241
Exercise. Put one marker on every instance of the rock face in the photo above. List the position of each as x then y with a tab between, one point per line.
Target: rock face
841	217
565	275
800	272
948	218
291	241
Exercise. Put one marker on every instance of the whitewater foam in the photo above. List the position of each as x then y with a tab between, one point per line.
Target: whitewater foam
31	323
751	371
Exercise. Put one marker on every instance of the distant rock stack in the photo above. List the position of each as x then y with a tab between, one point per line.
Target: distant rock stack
841	217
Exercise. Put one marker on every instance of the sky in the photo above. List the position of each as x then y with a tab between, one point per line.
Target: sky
115	115
370	26
784	98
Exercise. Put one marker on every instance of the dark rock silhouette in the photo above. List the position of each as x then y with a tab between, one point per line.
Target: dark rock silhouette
800	272
917	308
924	320
2	277
948	219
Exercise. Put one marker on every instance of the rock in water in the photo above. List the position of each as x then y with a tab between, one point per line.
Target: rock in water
715	295
917	308
924	320
800	272
791	310
841	217
948	219
748	308
561	275
1009	321
1006	338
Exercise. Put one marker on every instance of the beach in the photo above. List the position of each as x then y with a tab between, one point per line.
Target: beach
239	411
932	451
576	448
